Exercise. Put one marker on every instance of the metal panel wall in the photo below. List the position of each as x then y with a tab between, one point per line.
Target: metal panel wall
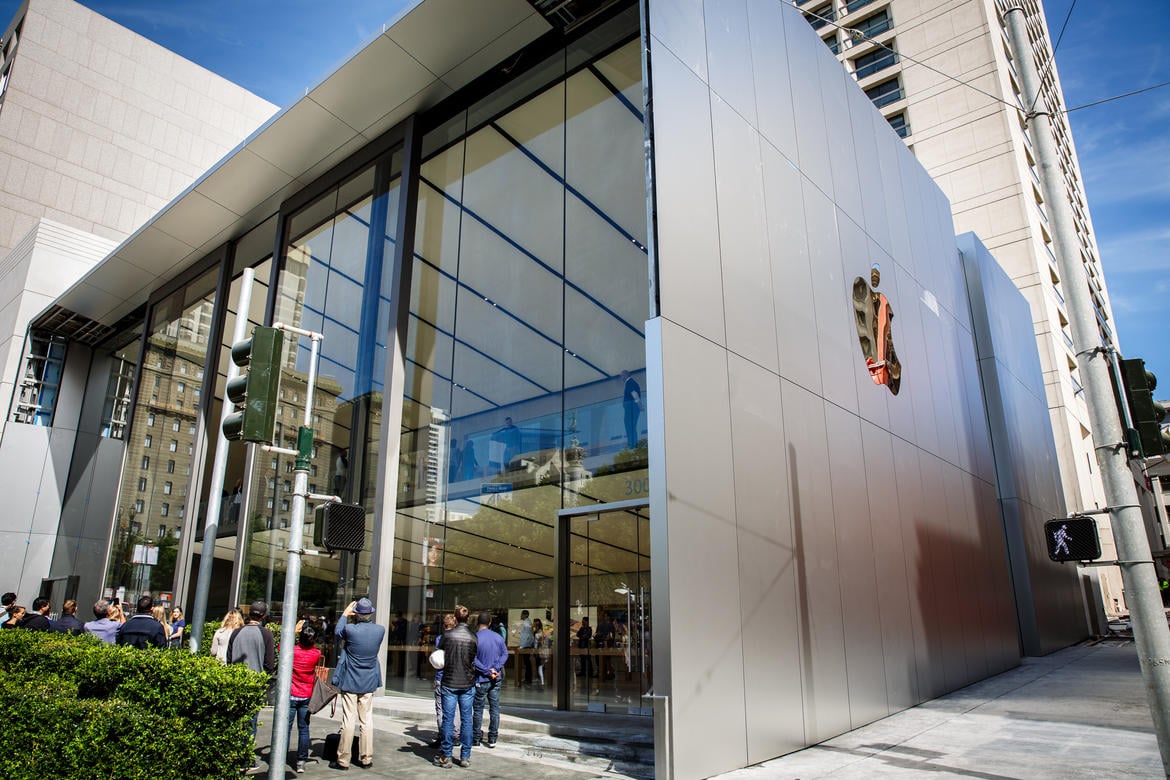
850	534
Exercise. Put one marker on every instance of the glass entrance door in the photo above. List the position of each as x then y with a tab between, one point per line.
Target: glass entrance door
603	633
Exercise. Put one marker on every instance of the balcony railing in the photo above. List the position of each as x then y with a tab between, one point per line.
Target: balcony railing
854	5
868	67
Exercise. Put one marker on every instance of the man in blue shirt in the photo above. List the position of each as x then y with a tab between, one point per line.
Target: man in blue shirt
357	676
491	657
103	626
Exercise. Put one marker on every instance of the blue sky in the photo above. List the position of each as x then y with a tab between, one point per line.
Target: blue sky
276	48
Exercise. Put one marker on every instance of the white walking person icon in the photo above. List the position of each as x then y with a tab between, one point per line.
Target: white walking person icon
1062	538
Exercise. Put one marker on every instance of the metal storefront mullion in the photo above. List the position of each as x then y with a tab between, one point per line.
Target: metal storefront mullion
385	489
201	448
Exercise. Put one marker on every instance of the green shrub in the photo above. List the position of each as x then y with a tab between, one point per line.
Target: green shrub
75	707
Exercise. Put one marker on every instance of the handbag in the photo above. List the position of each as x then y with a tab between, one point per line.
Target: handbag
323	693
438	659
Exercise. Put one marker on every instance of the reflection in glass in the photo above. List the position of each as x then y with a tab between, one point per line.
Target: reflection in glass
151	510
529	297
335	280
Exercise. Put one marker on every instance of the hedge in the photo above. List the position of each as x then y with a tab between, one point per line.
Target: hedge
75	707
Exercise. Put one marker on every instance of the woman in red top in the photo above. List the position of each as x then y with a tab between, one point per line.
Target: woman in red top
306	656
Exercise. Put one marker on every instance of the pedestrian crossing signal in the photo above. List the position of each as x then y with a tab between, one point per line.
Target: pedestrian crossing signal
1072	539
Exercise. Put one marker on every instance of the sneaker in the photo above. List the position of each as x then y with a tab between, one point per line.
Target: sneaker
492	745
463	762
300	767
365	764
443	762
336	765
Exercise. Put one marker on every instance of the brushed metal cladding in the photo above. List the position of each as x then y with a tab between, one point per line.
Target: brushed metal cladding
890	565
860	614
812	135
729	60
791	274
836	334
749	311
766	20
707	687
872	567
869	175
767	564
826	691
679	25
1045	593
690	284
834	83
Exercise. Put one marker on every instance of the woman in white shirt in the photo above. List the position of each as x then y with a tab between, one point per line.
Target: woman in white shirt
219	643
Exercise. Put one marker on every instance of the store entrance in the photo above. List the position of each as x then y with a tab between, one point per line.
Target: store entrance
603	632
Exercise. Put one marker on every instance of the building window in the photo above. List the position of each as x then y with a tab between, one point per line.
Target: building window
182	387
269	503
150	420
182	368
833	44
868	64
162	529
141	484
164	509
854	5
145	461
899	123
147	441
138	507
820	16
167	487
874	25
170	467
175	426
284	504
174	445
182	511
885	93
40	380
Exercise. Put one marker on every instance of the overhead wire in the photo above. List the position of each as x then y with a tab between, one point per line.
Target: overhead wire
1052	56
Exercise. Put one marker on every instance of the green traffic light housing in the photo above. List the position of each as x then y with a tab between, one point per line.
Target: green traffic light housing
1146	415
254	391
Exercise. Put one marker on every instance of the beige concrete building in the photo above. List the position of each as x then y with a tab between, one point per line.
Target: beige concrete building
942	75
99	129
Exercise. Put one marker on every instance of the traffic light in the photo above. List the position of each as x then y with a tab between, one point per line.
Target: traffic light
1072	539
1145	413
254	390
342	527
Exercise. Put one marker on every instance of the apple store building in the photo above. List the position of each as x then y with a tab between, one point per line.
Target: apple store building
638	318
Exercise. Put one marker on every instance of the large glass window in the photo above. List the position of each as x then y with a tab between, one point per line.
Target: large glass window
525	354
336	281
141	559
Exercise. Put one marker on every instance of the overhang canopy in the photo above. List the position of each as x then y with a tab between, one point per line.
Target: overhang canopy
428	52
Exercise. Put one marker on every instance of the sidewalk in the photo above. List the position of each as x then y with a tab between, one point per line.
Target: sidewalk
1078	713
403	726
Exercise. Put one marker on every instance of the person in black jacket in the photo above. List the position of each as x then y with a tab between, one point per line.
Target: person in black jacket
142	630
68	622
459	647
37	618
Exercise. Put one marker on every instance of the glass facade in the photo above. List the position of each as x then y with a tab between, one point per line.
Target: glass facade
523	373
525	357
160	453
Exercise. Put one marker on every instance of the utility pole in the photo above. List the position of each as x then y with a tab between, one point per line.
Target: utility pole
218	469
292	575
1095	361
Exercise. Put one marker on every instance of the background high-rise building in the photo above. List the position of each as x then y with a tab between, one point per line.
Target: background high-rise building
942	75
99	129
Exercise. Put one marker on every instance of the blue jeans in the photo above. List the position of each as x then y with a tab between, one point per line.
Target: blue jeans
299	709
465	699
489	691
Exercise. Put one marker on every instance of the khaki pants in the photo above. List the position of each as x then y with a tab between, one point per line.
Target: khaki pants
359	708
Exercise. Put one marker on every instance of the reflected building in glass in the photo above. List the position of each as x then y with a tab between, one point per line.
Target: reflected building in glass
586	279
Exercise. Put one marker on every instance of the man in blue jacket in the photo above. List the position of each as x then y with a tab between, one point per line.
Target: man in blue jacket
357	676
491	658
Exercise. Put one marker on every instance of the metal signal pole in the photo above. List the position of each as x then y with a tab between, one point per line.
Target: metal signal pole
1133	547
292	575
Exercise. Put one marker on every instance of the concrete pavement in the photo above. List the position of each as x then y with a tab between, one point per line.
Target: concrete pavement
1078	713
